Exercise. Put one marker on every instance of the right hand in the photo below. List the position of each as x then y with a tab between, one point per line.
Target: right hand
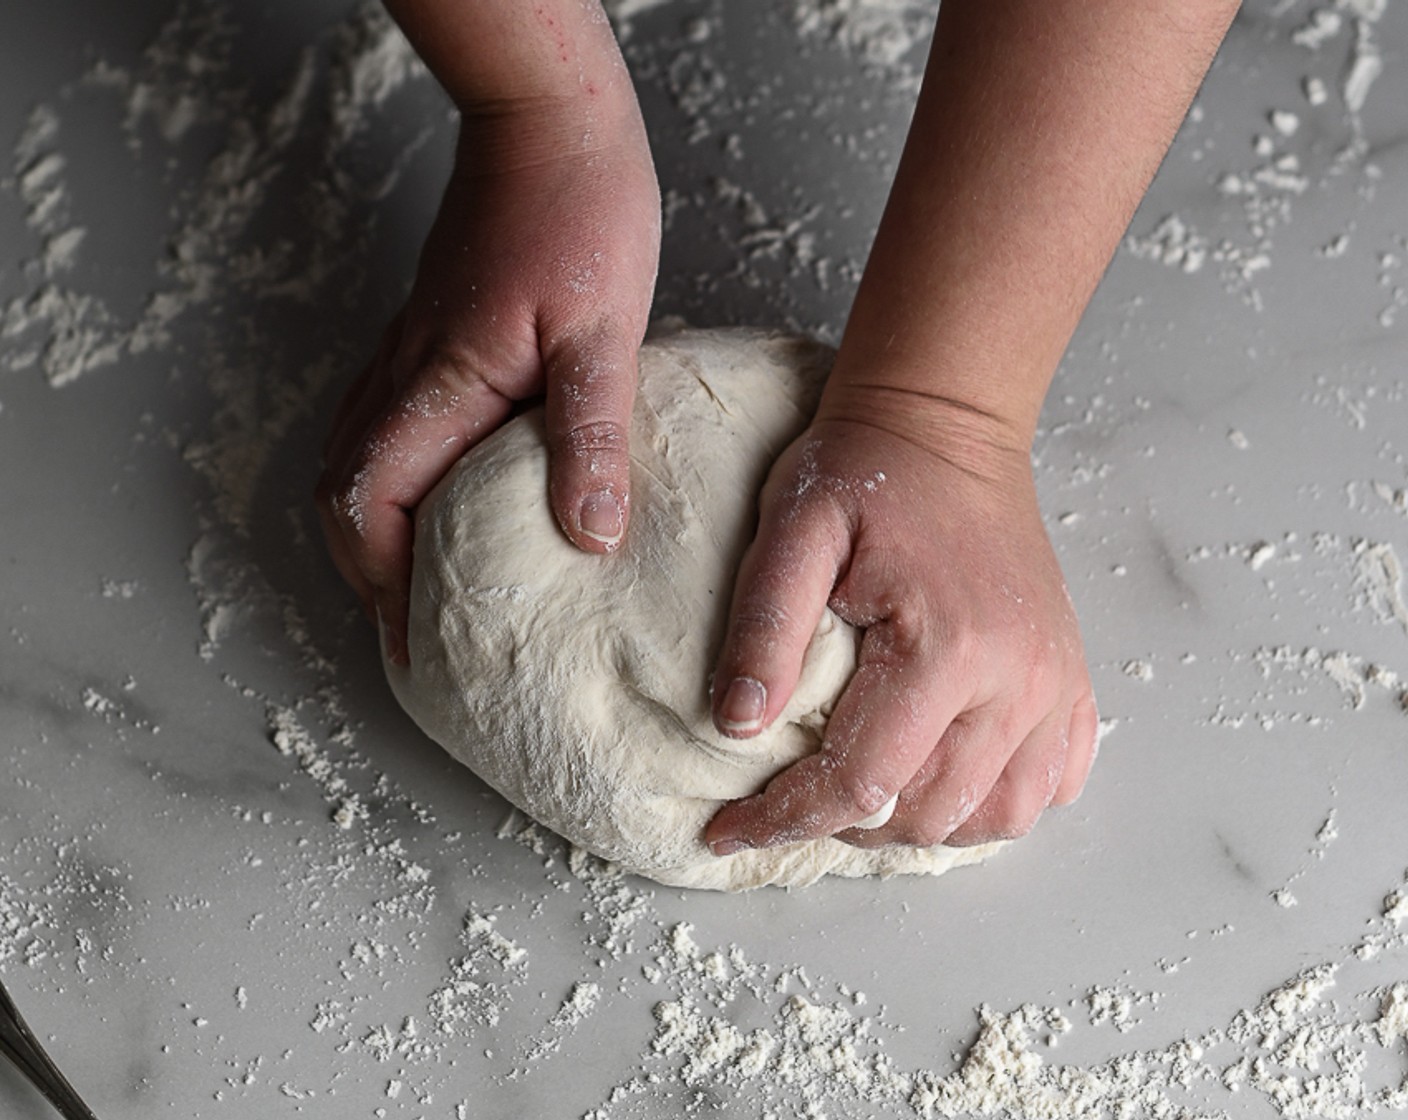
916	521
536	277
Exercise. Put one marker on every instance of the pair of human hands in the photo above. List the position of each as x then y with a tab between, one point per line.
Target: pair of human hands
913	519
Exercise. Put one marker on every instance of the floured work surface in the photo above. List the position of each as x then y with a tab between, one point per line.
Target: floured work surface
232	881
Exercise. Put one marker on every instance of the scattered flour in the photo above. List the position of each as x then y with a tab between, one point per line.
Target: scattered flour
1283	170
1379	578
623	11
883	32
1117	1005
1171	242
726	1026
1139	670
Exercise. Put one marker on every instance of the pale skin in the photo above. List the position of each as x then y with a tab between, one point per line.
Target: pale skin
908	506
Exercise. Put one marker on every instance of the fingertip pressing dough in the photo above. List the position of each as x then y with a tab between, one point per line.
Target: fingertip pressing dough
577	685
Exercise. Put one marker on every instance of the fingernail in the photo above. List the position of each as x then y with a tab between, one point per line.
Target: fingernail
600	517
396	651
393	641
729	847
743	705
881	817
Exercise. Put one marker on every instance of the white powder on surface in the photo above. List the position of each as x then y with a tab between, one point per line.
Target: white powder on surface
881	32
1364	70
1393	1016
480	983
1283	898
214	252
1379	579
1139	670
767	1036
25	920
64	330
1171	242
1117	1005
623	11
1365	576
1287	165
1321	25
1260	554
763	1037
1325	24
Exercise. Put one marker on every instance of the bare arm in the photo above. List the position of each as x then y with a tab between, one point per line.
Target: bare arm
536	278
1039	127
909	505
495	55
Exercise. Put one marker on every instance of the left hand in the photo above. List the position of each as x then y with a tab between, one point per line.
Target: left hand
535	279
971	700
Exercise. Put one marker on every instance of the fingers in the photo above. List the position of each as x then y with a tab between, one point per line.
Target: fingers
591	384
955	798
780	594
971	788
366	396
897	707
1023	790
949	785
1080	755
375	478
970	708
412	415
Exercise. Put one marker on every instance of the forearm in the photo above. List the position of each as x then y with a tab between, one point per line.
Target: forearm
491	50
550	60
1040	125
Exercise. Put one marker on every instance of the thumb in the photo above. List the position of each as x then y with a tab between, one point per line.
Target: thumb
591	386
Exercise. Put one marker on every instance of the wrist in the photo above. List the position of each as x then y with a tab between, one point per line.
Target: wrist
963	397
947	339
504	137
980	443
495	57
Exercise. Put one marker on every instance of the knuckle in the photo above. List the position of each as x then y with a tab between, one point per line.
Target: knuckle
435	358
441	374
955	651
759	634
923	833
1013	816
860	792
594	439
589	352
903	640
1004	735
761	617
928	836
1048	677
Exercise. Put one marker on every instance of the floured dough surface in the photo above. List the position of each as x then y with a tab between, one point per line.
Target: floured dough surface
577	685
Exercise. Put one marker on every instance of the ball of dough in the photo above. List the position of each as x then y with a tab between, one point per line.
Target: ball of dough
577	685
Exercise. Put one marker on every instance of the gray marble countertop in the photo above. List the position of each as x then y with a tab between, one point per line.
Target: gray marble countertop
236	881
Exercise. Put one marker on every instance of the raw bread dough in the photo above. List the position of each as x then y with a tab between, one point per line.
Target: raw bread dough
576	685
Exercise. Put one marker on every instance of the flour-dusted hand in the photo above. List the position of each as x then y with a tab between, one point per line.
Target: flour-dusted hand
909	505
971	700
536	278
